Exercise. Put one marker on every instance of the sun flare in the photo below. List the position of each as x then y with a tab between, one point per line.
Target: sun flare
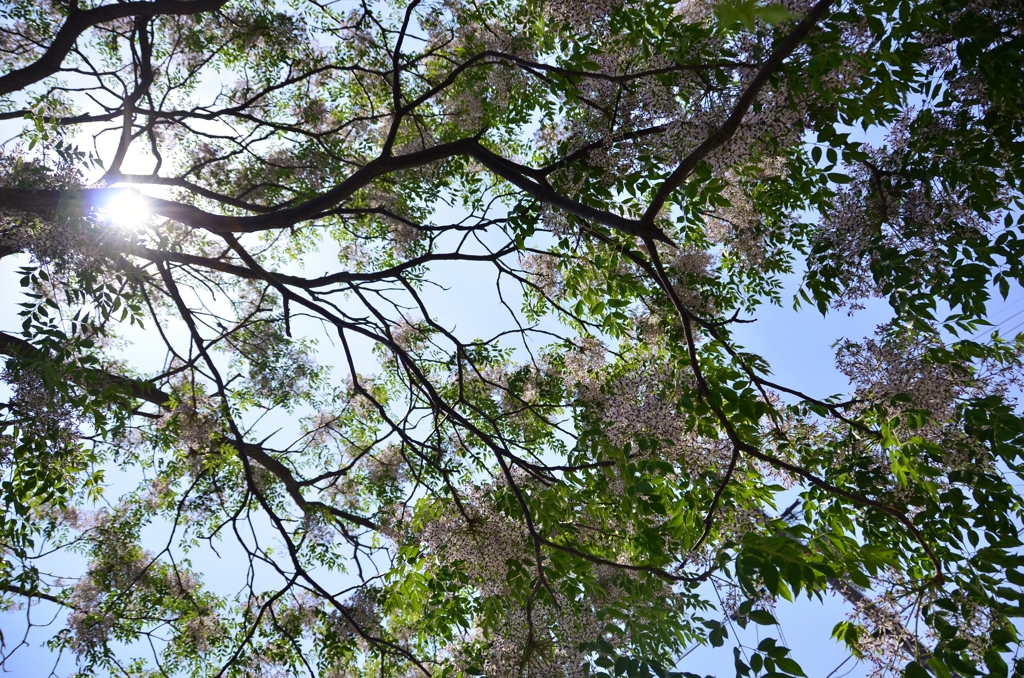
127	208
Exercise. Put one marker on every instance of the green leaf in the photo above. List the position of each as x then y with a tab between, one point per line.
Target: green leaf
996	664
915	670
762	617
789	666
773	14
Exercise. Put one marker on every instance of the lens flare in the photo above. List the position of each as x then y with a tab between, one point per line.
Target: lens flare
127	208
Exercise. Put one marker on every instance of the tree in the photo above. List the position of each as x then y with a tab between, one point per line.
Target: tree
601	479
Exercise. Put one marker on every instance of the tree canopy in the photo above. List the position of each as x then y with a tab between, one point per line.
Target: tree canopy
253	239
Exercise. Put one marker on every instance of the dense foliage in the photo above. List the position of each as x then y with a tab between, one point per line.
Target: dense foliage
282	364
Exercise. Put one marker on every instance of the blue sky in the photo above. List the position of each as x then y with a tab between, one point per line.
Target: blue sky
797	345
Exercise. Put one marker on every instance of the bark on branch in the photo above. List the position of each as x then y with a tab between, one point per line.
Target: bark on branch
140	389
78	22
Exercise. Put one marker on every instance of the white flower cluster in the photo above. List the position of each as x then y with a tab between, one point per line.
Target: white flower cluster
689	269
322	428
304	611
880	208
555	220
404	236
408	335
733	596
640	102
195	422
545	641
65	240
313	114
455	28
362	617
884	367
643	404
282	161
889	644
695	11
386	466
276	364
551	650
967	86
200	630
775	121
484	544
636	405
588	355
738	225
70	236
44	415
119	570
889	365
318	530
90	627
581	14
542	271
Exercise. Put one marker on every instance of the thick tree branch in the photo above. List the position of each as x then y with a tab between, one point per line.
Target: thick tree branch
785	48
45	202
139	389
78	22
